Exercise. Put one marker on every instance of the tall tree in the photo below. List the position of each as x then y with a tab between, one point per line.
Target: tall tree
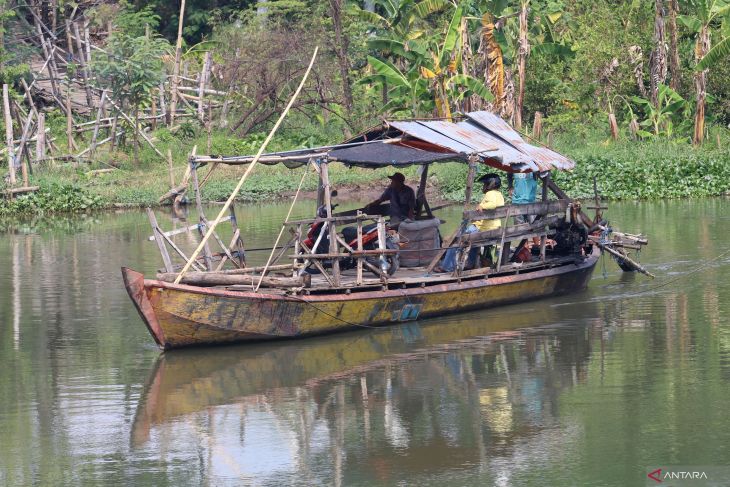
523	50
702	14
341	48
674	67
658	61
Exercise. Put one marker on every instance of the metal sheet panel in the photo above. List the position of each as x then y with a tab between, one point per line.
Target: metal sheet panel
545	158
421	132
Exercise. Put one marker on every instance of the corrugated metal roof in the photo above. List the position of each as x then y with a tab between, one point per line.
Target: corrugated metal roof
422	132
545	158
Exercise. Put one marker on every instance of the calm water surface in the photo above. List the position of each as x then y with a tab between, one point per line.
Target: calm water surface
585	389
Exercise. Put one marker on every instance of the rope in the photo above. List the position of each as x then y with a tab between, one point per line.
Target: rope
331	315
684	276
281	232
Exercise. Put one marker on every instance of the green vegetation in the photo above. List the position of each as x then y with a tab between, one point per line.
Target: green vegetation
658	68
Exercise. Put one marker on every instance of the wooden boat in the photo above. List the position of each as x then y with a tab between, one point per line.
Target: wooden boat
259	303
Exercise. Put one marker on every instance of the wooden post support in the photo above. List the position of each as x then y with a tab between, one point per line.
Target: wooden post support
297	247
40	141
537	126
470	182
501	259
202	228
381	247
421	202
24	140
239	241
99	113
358	278
163	108
324	175
543	238
113	132
9	134
153	113
176	68
160	242
69	121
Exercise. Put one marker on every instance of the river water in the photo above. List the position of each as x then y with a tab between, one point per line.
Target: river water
595	388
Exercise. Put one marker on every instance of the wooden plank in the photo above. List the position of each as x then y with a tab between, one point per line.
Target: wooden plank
222	279
512	231
158	239
539	208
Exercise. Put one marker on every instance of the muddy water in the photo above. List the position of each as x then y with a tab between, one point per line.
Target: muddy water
588	389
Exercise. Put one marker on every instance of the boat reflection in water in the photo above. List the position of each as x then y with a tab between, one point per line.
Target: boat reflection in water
472	392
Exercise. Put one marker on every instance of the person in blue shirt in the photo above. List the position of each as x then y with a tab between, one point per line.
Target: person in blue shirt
522	187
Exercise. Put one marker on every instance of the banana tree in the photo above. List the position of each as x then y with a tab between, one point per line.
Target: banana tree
704	13
432	80
667	116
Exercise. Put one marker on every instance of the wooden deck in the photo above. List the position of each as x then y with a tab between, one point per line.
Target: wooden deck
412	277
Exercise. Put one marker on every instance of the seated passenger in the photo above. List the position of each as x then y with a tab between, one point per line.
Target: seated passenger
492	199
402	200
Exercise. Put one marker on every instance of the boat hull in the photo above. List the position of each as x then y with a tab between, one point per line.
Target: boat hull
180	315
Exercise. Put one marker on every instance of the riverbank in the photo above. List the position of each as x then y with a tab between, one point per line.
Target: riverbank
628	170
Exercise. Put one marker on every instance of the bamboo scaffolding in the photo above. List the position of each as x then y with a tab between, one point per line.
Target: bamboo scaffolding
248	169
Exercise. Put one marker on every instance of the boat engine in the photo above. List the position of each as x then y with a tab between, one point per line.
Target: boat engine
569	239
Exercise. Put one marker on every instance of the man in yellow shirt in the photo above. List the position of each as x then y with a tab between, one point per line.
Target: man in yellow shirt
492	199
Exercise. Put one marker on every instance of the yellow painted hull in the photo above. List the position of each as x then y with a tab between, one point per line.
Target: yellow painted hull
181	315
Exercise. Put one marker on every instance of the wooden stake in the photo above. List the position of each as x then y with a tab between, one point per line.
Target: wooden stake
176	68
324	174
163	108
169	163
9	134
537	126
69	121
470	183
153	112
21	147
40	141
201	217
96	125
84	67
249	168
358	279
159	240
202	85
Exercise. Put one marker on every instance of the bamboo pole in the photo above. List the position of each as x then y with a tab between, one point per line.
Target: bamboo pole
21	147
139	131
248	169
358	278
158	239
324	175
96	124
201	216
201	87
9	134
40	149
84	66
176	68
276	244
69	121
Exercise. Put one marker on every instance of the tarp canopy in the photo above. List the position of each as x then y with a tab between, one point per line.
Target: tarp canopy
482	135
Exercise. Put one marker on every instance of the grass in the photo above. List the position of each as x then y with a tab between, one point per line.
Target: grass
623	170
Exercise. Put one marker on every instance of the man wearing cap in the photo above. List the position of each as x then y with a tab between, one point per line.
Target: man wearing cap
402	199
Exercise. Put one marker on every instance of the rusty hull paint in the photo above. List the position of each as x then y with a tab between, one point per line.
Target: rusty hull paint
190	315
